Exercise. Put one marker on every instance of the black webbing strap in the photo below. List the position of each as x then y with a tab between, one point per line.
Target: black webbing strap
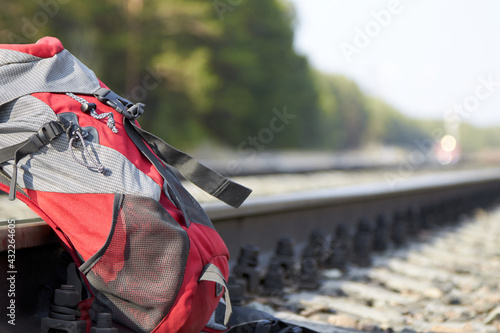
48	132
245	319
269	326
7	153
205	178
165	173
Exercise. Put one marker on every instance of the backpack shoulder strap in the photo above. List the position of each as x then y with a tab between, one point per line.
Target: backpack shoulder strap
205	178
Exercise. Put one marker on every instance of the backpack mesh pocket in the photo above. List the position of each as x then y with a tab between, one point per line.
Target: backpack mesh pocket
138	273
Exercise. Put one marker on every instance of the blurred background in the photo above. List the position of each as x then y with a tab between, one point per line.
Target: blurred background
327	83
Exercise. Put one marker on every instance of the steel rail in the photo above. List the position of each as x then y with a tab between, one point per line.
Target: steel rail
352	194
261	220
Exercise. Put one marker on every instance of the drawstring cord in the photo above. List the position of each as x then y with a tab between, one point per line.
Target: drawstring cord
110	122
92	163
86	106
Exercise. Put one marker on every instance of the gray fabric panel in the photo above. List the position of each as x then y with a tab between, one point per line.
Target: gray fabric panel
21	118
60	73
53	169
11	56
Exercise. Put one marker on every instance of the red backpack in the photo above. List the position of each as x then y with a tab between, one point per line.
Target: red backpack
72	150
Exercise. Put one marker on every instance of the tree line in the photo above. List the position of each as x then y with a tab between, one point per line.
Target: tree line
218	71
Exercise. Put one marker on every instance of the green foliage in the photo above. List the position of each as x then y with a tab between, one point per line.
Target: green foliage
351	119
215	71
388	126
259	71
345	116
473	139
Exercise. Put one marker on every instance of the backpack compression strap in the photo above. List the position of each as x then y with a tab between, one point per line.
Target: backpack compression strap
164	171
213	273
48	132
205	178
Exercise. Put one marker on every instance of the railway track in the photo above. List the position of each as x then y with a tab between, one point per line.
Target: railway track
444	281
339	229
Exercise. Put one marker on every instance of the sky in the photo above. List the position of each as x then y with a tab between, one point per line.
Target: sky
430	59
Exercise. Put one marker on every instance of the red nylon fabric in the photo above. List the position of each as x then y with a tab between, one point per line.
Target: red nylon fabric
84	305
197	301
45	48
172	209
40	213
84	218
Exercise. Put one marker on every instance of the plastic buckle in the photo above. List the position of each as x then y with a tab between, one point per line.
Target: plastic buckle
122	105
49	131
